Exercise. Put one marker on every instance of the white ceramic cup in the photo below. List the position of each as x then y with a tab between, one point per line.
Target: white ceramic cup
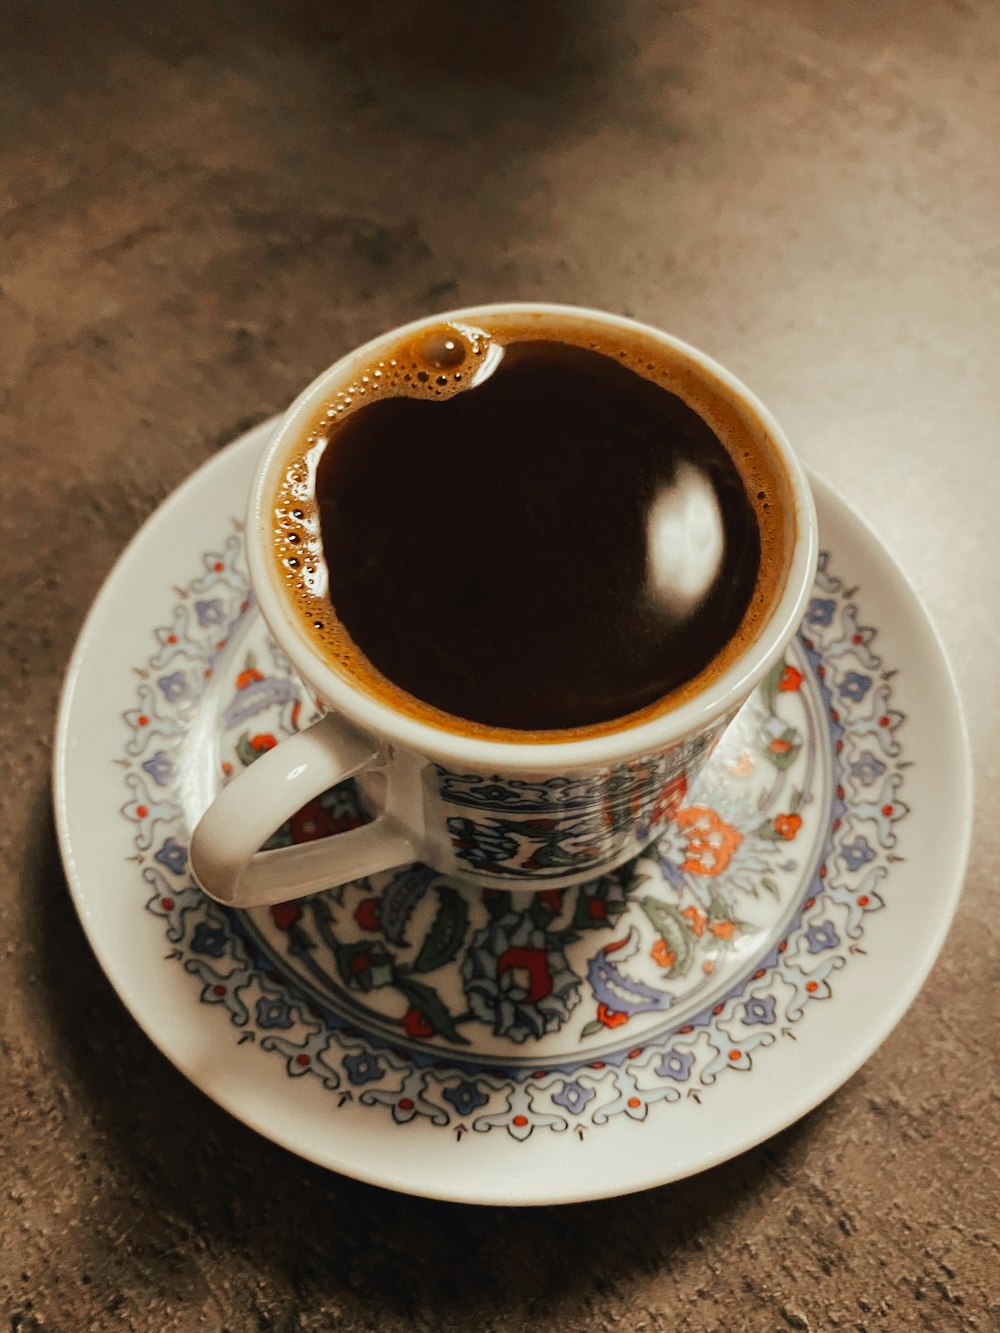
508	814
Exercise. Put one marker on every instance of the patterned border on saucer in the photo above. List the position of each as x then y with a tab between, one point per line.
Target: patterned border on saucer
240	969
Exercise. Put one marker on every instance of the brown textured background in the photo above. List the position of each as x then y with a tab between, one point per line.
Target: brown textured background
203	205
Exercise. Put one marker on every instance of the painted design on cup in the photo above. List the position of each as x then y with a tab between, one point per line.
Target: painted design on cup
515	828
495	1009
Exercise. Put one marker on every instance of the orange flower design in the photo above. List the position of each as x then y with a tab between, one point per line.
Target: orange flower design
611	1018
741	765
696	919
662	955
791	678
723	929
786	826
710	840
779	746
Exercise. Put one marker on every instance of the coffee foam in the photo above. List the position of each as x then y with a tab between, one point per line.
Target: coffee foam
445	358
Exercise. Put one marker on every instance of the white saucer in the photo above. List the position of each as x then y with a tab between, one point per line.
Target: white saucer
491	1048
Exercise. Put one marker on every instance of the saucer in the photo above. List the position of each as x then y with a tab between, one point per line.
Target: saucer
516	1048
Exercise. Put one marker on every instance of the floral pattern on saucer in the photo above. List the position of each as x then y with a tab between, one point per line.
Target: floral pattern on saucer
559	1009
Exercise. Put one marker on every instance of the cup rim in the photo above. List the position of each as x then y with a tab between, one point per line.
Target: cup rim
721	697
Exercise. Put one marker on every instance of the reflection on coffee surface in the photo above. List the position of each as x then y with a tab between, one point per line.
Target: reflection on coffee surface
527	532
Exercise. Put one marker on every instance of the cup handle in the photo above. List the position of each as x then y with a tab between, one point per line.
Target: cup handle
225	860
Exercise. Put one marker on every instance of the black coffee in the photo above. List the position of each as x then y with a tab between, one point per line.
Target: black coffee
541	538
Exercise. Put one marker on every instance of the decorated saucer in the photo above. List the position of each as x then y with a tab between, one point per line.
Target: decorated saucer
497	1047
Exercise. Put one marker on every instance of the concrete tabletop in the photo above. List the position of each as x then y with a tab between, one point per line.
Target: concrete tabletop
205	204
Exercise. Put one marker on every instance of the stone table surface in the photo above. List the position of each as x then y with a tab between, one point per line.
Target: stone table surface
203	205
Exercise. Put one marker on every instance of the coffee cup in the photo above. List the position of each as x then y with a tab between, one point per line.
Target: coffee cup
426	477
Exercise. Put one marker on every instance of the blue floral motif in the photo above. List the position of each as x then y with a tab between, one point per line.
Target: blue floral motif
858	853
273	1013
174	686
759	1009
855	686
821	611
479	844
173	856
210	612
553	846
208	939
868	768
573	822
466	1097
363	1068
573	1096
518	980
160	768
676	1065
494	792
255	697
822	937
620	993
500	794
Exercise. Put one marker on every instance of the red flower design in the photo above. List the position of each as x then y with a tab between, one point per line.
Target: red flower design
611	1018
534	963
786	826
263	741
368	913
417	1023
247	677
791	678
285	915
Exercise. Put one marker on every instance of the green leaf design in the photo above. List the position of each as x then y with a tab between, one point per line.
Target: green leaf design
671	927
430	1005
718	909
588	1029
299	939
771	682
323	917
783	759
247	754
444	939
770	886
